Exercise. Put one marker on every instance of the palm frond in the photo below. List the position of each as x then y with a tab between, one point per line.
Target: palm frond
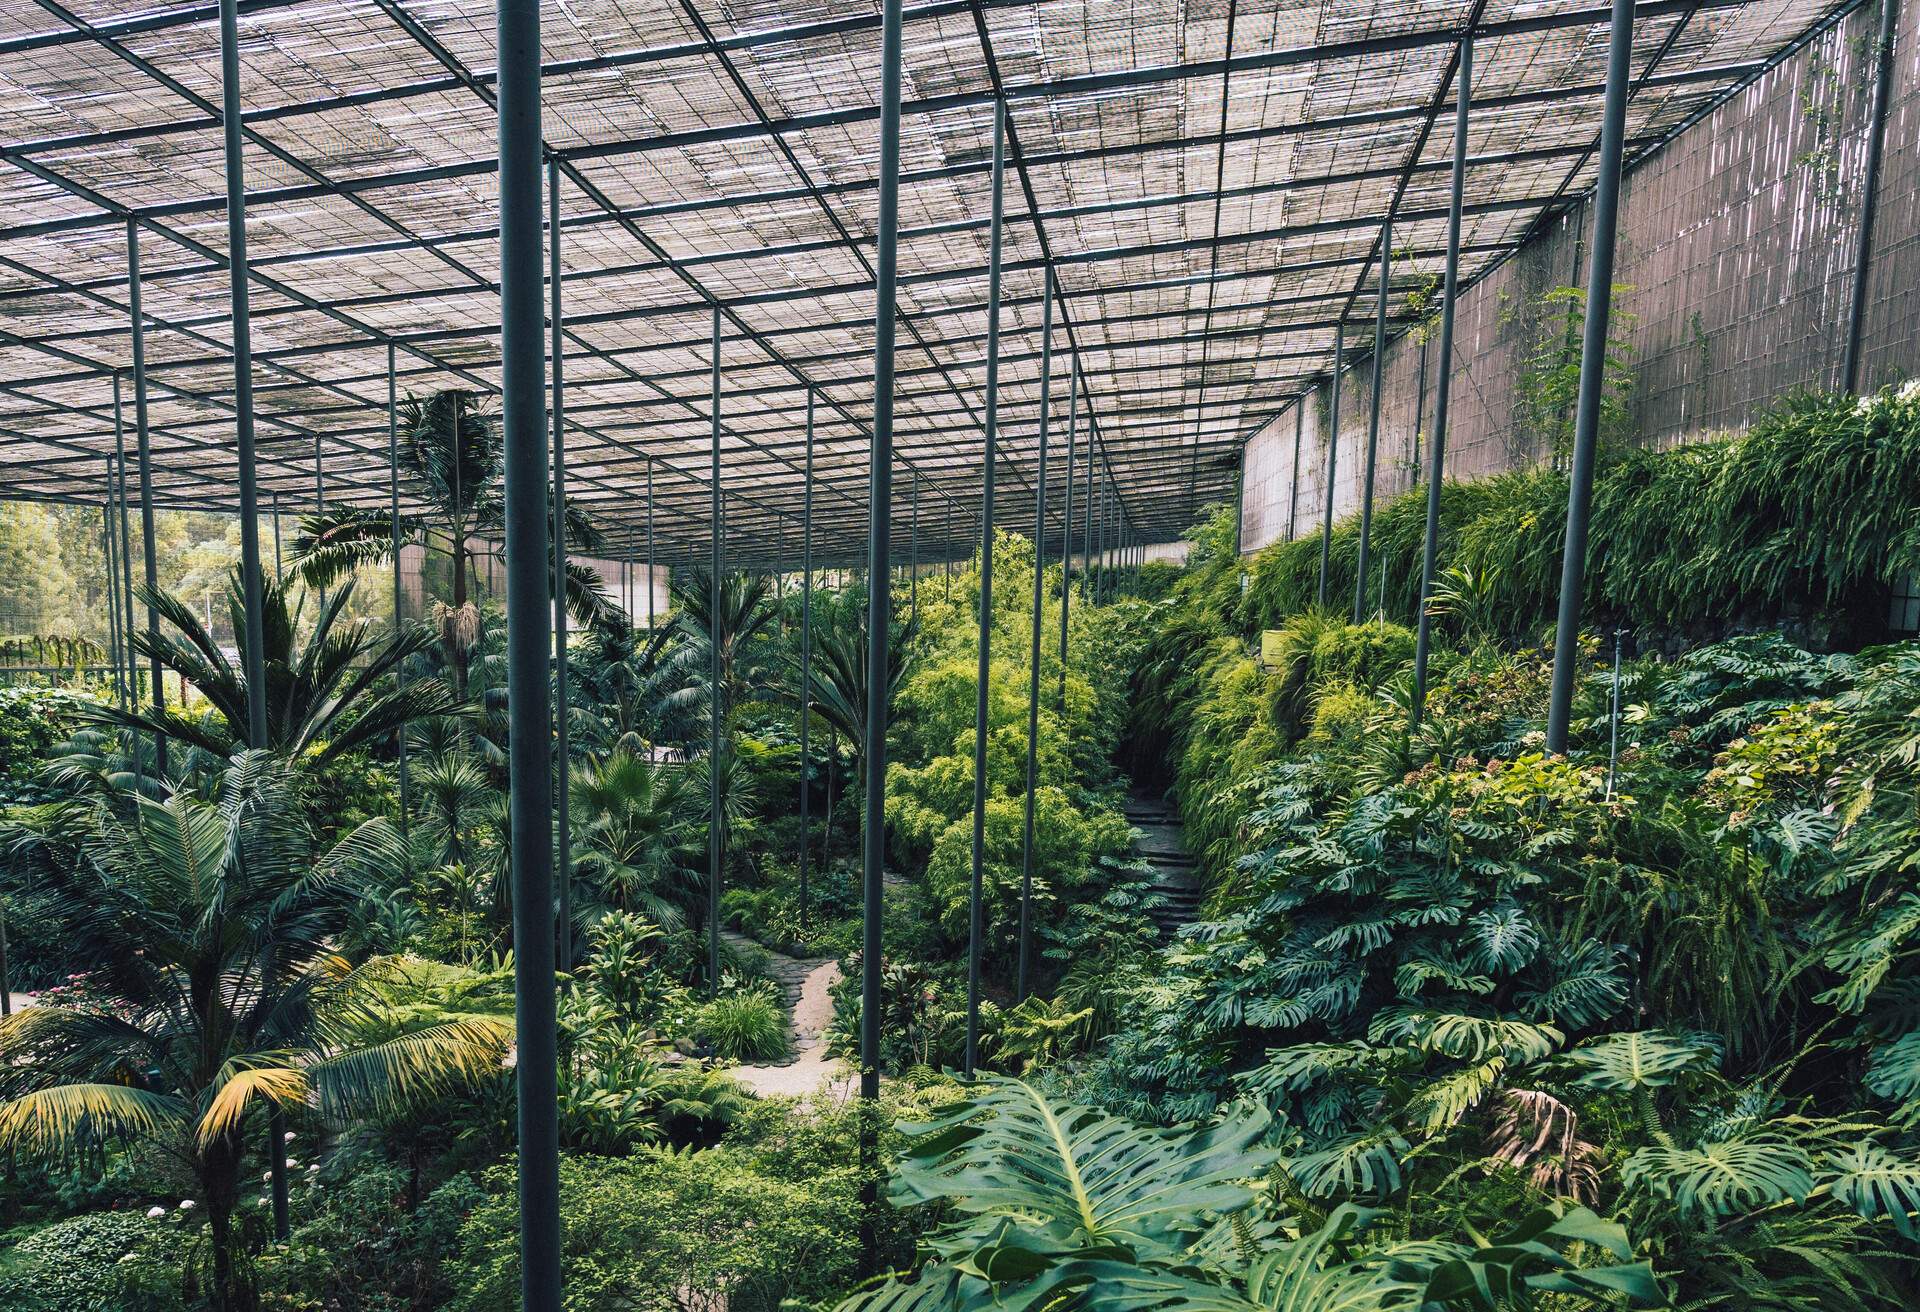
411	1068
239	1085
52	1121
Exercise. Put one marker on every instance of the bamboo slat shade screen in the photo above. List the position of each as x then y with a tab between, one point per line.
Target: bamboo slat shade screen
726	152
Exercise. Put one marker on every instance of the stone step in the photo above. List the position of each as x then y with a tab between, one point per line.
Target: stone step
1160	841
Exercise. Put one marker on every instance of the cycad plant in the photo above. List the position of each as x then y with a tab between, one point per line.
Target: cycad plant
213	921
327	695
620	679
450	448
838	686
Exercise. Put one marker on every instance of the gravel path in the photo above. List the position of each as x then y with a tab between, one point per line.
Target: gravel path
811	1070
807	984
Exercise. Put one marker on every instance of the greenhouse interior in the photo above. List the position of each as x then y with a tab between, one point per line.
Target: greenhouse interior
959	656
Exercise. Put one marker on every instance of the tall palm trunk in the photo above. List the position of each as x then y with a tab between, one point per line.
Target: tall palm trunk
218	1168
458	651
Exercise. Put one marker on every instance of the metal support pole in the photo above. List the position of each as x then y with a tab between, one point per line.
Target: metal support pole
1373	422
125	532
946	563
143	451
393	516
253	650
529	647
1333	451
1022	975
1293	478
1870	193
879	511
650	575
319	498
116	656
1443	381
1086	517
279	567
1593	364
1066	532
913	554
716	819
1097	547
1613	715
806	669
976	927
562	748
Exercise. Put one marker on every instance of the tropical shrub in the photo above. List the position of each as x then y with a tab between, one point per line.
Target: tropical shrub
1065	1205
91	1263
639	1232
745	1023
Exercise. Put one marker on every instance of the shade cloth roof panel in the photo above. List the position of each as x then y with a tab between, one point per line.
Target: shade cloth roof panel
1199	186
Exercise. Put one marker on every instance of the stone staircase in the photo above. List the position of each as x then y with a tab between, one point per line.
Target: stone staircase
1159	841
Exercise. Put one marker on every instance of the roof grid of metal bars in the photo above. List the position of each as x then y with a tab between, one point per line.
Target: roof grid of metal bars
1200	183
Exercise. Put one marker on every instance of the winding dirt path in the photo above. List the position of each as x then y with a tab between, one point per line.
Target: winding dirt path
808	984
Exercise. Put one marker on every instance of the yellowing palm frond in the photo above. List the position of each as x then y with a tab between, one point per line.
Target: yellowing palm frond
412	1067
52	1121
238	1086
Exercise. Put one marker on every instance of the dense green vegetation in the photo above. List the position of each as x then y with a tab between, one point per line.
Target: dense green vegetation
1461	1025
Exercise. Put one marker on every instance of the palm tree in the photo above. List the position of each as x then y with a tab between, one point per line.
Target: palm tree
321	693
620	682
450	445
839	672
734	615
212	921
454	804
639	845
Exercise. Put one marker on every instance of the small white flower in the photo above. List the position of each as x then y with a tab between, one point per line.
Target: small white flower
265	1176
288	1136
187	1204
155	1213
312	1167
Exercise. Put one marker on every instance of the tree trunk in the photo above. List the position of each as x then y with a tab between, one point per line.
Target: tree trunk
219	1172
459	653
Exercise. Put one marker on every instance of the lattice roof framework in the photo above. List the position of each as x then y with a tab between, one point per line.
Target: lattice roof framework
1200	182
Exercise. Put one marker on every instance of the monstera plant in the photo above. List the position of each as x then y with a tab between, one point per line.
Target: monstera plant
1063	1206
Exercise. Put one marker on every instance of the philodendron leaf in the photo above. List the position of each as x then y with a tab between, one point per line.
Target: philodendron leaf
1072	1178
1722	1179
1641	1059
1875	1183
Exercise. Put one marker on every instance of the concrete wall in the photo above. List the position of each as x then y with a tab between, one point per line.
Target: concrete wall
1737	242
